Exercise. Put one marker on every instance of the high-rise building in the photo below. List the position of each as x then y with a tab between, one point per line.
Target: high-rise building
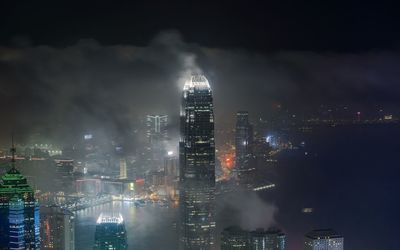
19	212
157	128
57	228
157	135
323	239
235	238
122	169
110	233
243	144
197	166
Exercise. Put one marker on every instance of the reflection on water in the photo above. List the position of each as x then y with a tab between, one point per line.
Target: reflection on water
148	227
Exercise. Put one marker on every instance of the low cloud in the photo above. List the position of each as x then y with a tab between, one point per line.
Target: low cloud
62	91
245	209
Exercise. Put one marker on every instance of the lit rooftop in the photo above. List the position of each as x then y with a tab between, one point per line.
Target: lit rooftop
110	218
323	234
197	81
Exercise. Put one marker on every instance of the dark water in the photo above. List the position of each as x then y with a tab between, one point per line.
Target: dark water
350	176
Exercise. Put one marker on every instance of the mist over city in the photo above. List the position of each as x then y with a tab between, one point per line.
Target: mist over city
199	126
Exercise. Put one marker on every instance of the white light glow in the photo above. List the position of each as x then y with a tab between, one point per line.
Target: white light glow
109	218
197	81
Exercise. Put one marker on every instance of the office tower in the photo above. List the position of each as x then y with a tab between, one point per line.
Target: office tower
122	169
110	233
243	144
197	166
57	228
235	238
157	135
19	212
157	128
323	239
271	239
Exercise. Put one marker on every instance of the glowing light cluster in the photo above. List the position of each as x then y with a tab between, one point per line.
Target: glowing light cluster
197	81
110	218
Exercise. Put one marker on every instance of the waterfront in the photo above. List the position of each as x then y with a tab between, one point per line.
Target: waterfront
346	173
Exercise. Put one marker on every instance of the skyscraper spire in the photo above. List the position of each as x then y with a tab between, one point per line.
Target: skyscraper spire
12	150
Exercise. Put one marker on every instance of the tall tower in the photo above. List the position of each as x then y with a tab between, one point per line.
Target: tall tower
243	143
122	168
19	211
197	166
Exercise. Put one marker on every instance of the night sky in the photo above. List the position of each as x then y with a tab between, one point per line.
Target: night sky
63	62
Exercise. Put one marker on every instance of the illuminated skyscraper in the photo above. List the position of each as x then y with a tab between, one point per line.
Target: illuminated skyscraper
197	166
243	143
122	169
19	212
323	239
57	228
110	233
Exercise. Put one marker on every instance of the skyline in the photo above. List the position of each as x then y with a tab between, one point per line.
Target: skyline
199	125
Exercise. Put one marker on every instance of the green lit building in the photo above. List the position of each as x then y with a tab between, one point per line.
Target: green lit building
19	212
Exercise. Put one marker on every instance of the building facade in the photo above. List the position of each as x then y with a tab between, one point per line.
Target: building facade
243	145
57	228
323	239
235	238
197	166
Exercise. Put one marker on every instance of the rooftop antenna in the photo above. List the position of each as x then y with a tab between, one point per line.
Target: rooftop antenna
12	150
